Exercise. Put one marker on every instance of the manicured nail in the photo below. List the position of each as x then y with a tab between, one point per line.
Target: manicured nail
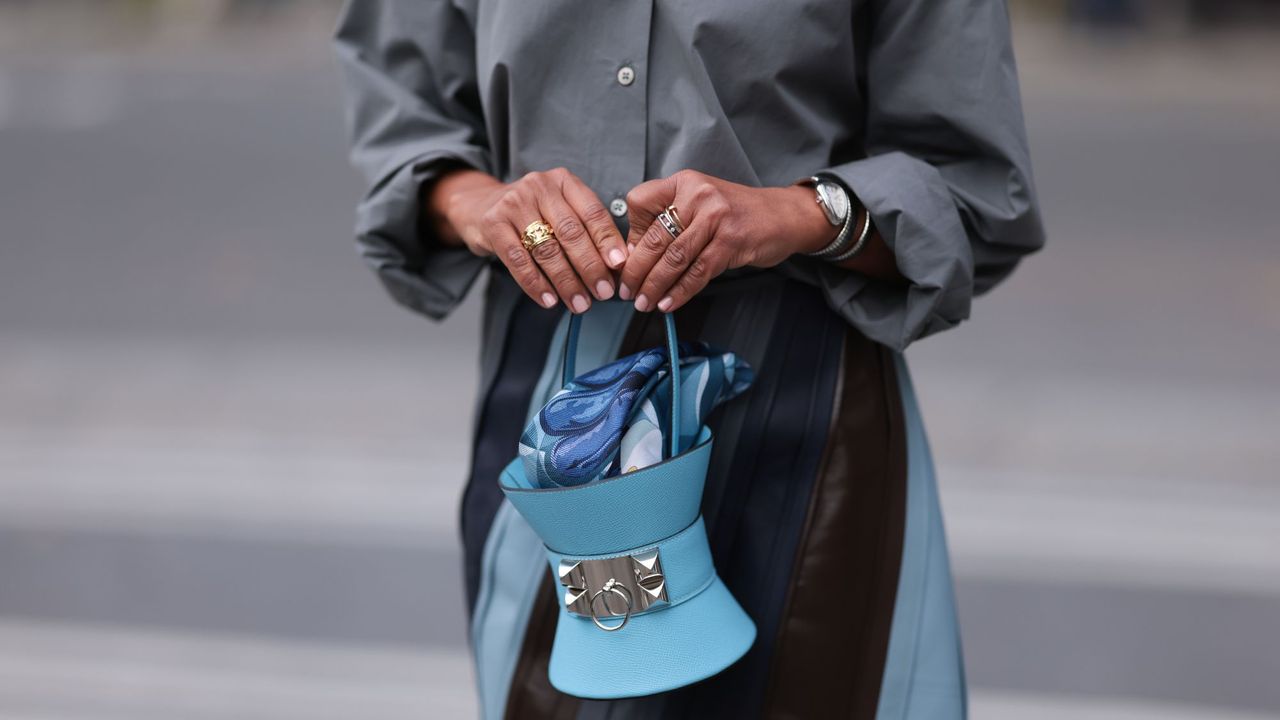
548	300
604	290
580	304
616	257
624	292
665	304
642	304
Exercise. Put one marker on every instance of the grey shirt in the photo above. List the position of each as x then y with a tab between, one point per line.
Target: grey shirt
914	104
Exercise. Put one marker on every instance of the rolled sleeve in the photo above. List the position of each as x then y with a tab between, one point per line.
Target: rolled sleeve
408	73
947	173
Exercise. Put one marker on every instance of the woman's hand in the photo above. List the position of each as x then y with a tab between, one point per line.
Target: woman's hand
726	225
473	208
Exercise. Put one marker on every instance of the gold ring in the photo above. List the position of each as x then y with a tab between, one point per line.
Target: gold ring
671	210
537	233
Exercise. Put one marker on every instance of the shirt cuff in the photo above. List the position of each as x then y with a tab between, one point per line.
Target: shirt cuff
417	270
914	211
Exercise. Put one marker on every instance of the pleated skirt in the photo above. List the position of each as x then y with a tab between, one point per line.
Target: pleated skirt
821	509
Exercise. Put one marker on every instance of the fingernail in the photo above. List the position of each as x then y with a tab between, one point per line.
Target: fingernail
624	292
665	304
548	300
580	304
604	290
642	304
616	257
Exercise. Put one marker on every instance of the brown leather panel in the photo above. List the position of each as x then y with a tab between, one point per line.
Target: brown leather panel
831	645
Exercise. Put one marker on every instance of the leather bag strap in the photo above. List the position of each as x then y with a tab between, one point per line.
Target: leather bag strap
673	361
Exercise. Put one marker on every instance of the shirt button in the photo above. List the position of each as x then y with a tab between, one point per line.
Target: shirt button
626	75
618	207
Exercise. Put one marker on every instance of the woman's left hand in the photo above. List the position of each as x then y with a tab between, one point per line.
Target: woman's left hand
726	225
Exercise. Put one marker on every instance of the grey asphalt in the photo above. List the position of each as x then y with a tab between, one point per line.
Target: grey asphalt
183	323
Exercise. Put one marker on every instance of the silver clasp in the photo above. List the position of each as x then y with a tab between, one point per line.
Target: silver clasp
635	580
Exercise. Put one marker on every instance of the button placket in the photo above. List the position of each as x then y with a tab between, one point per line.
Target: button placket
621	160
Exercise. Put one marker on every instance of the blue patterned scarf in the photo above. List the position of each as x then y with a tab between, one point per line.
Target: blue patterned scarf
614	418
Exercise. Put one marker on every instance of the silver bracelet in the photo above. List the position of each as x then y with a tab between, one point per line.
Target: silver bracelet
857	246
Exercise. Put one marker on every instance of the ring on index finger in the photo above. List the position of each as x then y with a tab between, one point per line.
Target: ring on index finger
670	220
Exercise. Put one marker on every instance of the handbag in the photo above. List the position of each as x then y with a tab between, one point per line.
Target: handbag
641	609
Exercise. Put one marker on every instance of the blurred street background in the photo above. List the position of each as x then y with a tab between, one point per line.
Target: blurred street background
229	468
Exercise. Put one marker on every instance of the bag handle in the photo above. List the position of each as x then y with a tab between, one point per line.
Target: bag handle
673	361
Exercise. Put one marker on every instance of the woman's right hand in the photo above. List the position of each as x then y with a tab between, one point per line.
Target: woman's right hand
473	208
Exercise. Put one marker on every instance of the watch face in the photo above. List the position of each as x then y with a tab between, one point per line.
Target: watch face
837	202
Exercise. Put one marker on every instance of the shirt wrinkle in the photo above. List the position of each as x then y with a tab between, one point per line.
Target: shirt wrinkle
930	89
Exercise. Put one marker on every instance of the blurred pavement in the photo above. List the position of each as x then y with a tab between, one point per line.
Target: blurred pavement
230	488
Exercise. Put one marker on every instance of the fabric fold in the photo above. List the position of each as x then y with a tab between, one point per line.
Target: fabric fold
613	419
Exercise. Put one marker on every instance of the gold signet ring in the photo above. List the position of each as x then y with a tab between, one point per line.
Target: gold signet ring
537	233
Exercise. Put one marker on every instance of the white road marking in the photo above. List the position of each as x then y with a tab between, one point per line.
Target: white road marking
1001	705
325	497
63	671
75	95
87	94
154	436
8	98
1138	533
59	671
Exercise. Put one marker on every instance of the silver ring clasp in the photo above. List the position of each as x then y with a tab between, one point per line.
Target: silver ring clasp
612	587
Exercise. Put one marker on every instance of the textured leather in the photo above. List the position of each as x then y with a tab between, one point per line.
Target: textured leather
655	652
700	634
617	513
532	695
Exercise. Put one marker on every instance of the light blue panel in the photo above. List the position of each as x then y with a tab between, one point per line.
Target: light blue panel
656	652
513	553
514	559
616	513
924	669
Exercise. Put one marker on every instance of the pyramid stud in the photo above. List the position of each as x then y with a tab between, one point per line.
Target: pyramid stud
639	577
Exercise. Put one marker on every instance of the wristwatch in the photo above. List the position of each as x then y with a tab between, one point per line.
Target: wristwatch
831	196
837	205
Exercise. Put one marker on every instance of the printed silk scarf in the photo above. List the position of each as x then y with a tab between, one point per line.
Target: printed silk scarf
613	419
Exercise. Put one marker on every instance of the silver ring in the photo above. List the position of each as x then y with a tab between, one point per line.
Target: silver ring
670	224
612	587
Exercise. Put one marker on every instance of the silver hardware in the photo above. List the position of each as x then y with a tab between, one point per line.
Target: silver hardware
670	224
637	579
857	246
611	587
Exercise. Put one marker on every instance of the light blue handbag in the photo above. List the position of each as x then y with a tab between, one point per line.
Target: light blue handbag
641	608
